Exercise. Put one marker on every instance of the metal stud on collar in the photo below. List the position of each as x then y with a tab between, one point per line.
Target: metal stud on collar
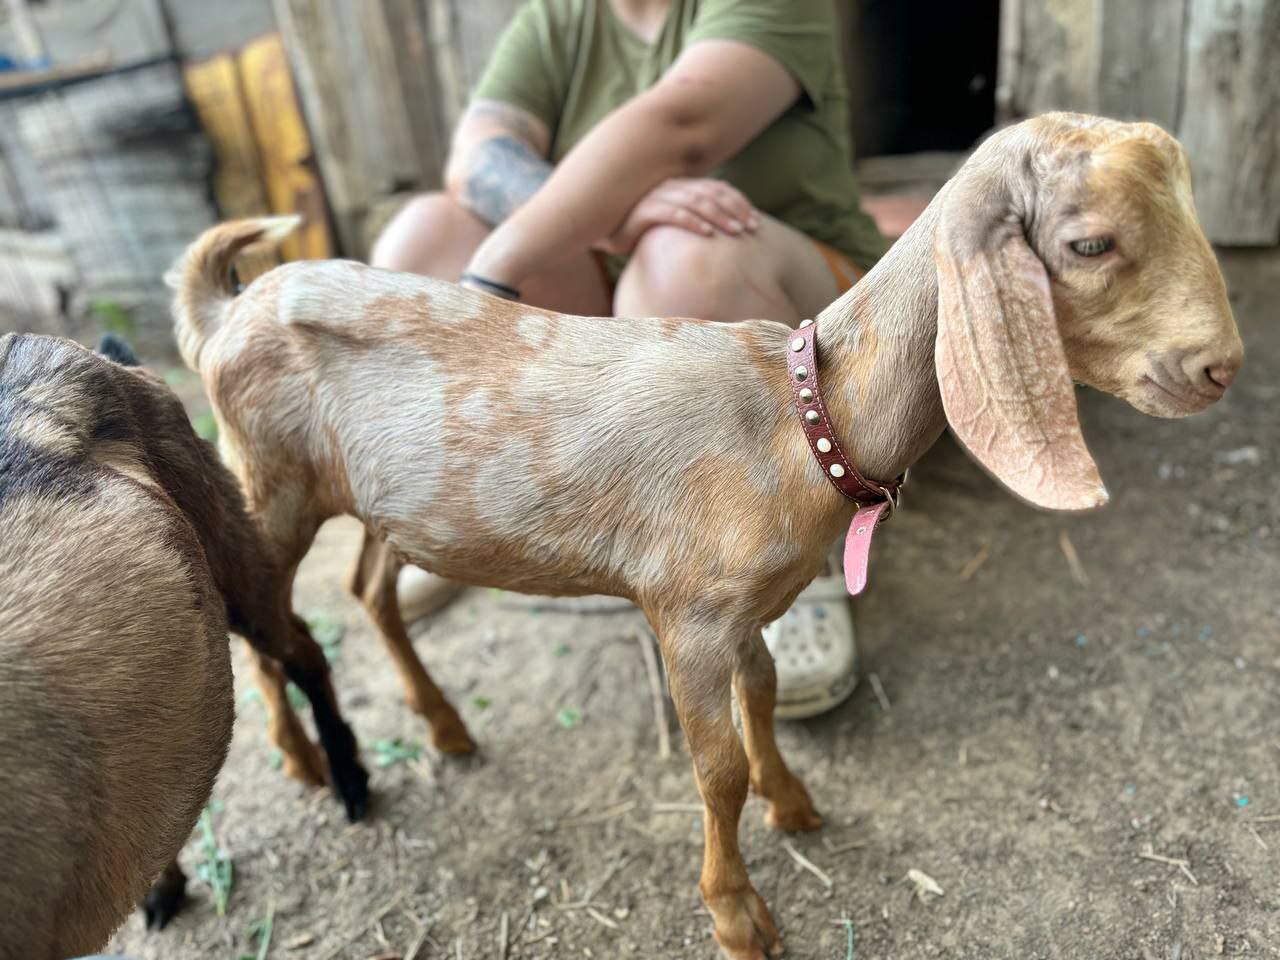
802	366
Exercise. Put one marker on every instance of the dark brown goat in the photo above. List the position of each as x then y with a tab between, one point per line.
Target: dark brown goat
125	554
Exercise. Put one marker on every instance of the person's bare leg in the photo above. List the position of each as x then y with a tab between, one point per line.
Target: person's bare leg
435	235
775	273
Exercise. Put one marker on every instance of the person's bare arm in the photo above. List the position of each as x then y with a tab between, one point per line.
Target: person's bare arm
498	159
710	104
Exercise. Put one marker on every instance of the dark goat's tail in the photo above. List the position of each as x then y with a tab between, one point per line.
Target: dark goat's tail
115	347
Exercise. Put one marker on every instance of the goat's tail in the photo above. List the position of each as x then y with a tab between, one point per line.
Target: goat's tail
203	281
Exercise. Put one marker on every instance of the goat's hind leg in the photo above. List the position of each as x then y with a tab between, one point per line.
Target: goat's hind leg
373	581
260	609
756	684
283	637
164	899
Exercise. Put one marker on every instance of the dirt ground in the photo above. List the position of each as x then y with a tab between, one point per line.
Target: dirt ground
1086	769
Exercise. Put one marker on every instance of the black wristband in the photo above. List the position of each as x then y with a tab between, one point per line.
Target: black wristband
490	286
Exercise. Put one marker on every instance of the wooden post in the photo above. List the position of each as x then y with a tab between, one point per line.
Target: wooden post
24	25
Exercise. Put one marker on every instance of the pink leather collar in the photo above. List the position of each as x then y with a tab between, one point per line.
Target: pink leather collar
875	500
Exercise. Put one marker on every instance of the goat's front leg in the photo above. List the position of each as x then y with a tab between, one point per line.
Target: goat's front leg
756	684
373	580
700	670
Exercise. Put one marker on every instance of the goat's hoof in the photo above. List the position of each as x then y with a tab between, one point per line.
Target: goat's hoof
305	763
791	808
743	926
165	899
351	781
453	740
793	819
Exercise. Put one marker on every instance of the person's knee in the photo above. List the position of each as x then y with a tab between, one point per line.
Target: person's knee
673	272
432	234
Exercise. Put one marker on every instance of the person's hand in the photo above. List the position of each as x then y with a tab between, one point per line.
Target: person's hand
700	205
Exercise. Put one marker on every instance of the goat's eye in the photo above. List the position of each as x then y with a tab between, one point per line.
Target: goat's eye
1093	246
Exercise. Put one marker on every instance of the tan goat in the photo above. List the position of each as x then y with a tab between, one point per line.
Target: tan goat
124	550
662	460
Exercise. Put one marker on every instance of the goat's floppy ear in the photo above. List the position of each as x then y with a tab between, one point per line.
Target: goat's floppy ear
1006	387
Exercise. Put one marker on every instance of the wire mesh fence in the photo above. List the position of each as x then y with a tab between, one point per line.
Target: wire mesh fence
103	181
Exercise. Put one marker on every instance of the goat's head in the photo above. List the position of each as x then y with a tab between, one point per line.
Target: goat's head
1068	249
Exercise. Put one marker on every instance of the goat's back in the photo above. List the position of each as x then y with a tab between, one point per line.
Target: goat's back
117	696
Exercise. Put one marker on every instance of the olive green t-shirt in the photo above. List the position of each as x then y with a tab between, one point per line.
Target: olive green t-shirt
572	62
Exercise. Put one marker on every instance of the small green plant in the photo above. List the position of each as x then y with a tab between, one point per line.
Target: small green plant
481	703
569	717
113	317
849	937
563	650
391	752
214	866
260	930
328	631
178	376
205	426
297	699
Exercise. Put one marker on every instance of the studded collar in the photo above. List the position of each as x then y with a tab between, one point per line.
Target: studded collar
802	367
875	501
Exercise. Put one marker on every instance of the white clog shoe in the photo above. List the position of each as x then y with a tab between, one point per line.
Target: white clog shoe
814	650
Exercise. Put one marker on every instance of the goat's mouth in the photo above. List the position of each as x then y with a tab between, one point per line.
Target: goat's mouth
1174	401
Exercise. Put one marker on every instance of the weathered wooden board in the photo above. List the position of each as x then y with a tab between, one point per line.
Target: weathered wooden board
371	97
1230	123
37	278
202	29
128	31
284	147
1140	50
1054	65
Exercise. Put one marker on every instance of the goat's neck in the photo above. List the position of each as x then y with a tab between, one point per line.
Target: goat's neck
876	347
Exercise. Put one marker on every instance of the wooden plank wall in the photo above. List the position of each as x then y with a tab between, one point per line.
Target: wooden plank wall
381	85
368	91
1206	70
1231	118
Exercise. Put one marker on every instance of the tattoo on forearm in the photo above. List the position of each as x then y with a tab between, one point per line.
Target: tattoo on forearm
504	174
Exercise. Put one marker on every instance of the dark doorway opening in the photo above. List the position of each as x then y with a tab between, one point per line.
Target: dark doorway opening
923	74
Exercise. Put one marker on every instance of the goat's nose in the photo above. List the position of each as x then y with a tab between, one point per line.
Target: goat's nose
1210	370
1223	372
